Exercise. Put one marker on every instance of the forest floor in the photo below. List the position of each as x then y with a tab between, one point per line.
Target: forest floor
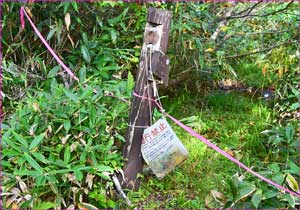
231	120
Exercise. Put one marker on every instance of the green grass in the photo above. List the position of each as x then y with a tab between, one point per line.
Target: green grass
231	121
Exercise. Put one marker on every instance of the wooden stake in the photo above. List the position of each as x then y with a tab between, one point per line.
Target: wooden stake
155	37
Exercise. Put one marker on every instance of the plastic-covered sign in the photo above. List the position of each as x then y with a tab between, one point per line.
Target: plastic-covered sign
161	148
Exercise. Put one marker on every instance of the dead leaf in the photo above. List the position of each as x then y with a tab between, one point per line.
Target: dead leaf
22	184
15	206
210	50
65	139
71	40
28	11
280	73
67	20
73	146
36	107
264	70
89	180
86	206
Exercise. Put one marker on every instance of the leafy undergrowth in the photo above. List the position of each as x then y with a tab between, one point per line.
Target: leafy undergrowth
233	122
60	146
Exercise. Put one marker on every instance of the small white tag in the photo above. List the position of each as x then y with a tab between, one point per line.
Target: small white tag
161	148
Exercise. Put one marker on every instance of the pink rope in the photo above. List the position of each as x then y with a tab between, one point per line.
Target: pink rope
217	149
22	12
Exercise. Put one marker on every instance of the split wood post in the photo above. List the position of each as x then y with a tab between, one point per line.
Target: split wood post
155	37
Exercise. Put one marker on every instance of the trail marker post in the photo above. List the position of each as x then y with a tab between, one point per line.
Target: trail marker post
154	46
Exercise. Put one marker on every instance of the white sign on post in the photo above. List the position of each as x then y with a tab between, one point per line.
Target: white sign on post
161	148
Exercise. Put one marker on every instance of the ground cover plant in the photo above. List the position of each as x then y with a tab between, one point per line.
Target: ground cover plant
234	79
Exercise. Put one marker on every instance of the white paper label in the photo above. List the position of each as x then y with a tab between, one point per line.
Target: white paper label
161	148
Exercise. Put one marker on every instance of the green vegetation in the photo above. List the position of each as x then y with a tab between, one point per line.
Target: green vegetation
61	140
206	176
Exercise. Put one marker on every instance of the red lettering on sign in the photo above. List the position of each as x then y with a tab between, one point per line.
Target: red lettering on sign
162	127
154	132
146	137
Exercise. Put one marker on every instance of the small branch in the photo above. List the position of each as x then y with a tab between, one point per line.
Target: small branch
263	15
222	23
249	9
248	13
265	32
256	51
110	94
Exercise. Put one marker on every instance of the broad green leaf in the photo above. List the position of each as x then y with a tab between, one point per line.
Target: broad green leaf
104	74
53	85
9	153
85	53
289	132
292	183
20	139
256	198
33	163
82	74
67	154
70	95
79	175
53	187
294	169
36	141
102	168
245	189
11	144
113	35
40	157
59	163
61	171
86	93
40	180
82	168
53	71
67	125
289	198
110	68
75	6
27	173
84	37
274	167
92	116
93	158
66	6
295	106
270	194
45	205
51	33
83	156
130	81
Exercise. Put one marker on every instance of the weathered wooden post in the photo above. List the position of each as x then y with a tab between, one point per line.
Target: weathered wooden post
155	43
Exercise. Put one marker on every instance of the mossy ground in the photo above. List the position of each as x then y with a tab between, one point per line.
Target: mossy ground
232	121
